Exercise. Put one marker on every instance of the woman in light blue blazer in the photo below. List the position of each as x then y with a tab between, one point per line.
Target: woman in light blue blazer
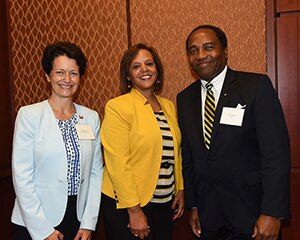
56	160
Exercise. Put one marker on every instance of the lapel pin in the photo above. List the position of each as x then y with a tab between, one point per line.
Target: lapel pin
80	116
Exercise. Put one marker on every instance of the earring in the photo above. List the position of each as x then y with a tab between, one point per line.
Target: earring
128	84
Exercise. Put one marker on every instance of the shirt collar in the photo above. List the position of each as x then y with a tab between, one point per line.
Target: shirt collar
218	80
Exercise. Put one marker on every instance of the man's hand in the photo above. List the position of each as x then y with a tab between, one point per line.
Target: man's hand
194	222
266	228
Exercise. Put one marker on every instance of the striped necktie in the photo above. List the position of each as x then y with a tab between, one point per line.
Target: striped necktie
209	113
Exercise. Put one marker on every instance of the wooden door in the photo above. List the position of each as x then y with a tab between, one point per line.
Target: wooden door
283	34
6	128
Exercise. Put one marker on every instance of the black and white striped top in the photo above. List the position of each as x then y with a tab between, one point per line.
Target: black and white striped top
165	185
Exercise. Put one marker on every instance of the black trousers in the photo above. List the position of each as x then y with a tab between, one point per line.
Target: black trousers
224	234
68	227
159	217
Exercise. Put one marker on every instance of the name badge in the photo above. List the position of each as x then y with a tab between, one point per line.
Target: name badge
84	132
232	116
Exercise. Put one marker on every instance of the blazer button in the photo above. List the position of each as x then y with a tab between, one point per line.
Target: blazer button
216	182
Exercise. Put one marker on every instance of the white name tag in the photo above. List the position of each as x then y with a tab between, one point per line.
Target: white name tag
84	132
232	116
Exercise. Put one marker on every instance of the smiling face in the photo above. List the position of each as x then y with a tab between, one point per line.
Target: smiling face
64	77
143	71
206	54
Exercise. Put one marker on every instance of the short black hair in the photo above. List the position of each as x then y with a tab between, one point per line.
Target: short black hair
71	50
218	31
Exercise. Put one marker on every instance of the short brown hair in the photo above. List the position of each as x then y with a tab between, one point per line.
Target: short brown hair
127	59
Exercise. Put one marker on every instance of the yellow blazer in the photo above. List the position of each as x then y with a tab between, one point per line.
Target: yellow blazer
132	144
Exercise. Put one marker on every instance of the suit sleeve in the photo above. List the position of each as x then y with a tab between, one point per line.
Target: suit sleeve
23	168
116	142
274	147
178	162
187	161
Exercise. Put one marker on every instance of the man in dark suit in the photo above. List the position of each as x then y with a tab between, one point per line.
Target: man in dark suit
236	170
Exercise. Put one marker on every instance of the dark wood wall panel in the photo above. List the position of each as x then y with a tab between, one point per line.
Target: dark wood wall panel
5	96
283	18
6	123
6	206
288	78
287	5
290	230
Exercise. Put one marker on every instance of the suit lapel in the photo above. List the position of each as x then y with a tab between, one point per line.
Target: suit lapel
225	95
196	111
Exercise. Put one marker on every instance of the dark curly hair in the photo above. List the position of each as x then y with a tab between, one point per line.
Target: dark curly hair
127	59
71	50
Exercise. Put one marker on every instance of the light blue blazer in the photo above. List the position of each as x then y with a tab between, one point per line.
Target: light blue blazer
39	169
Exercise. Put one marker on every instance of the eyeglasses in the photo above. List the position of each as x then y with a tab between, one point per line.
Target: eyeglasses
63	74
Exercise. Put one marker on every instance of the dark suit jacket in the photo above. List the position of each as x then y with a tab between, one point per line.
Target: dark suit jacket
246	171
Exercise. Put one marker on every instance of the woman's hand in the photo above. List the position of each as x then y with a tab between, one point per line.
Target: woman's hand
83	234
56	235
178	205
138	223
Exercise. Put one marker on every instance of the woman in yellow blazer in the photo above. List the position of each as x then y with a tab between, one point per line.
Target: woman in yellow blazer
142	184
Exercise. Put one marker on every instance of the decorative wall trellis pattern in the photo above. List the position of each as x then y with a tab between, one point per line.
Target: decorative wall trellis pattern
166	24
100	28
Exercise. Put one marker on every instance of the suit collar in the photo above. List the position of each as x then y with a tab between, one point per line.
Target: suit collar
195	109
81	115
226	91
225	95
141	98
138	96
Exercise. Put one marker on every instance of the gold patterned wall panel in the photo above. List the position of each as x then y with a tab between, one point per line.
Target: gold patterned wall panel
98	26
165	24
